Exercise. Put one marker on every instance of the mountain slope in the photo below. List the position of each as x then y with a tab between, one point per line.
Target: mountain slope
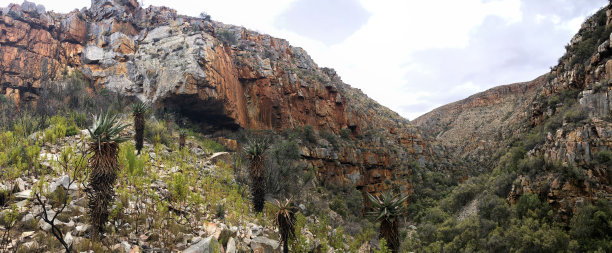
220	77
562	119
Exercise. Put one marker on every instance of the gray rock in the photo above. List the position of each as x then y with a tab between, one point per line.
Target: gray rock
220	156
28	7
207	245
44	225
68	238
27	194
231	246
264	245
93	54
81	229
126	246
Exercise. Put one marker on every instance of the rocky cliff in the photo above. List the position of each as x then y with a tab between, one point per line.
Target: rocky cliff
563	117
219	76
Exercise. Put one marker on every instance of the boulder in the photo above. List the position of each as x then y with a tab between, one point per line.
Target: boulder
207	245
92	54
220	156
262	244
231	246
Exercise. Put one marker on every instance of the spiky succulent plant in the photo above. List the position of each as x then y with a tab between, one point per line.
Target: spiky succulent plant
105	138
387	208
182	137
255	152
139	110
285	221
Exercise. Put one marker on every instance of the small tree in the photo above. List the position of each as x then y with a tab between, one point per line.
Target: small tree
103	165
285	221
255	152
139	110
387	209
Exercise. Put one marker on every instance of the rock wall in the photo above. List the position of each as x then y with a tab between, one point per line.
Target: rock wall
220	76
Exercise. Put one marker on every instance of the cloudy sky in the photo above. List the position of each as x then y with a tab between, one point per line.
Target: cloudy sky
409	55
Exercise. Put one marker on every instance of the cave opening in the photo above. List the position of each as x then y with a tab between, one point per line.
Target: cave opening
208	114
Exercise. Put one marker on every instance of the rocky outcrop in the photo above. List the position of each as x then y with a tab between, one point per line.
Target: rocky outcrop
563	116
220	76
472	129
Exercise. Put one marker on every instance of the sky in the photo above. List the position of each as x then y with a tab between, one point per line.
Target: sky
409	55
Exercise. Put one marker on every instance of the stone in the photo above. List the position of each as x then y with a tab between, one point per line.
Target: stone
207	245
68	238
231	246
220	156
44	225
264	245
92	54
27	194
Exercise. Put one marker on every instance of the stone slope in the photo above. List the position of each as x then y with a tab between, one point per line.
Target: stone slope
219	76
563	116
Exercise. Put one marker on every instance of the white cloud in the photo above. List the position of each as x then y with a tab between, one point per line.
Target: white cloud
413	56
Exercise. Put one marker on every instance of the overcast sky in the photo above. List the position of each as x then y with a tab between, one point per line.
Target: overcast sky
409	55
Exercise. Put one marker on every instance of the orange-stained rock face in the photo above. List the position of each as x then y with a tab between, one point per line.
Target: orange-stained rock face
220	76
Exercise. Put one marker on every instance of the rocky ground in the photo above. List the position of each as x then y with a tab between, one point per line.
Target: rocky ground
172	204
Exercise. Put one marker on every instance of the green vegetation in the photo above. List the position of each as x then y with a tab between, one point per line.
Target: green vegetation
255	151
284	219
105	138
387	209
139	110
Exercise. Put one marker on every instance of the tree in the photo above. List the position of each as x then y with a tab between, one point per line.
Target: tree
255	152
103	165
139	110
387	209
285	221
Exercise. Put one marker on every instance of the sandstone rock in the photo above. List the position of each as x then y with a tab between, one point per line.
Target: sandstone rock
207	245
92	54
264	245
27	194
231	246
220	156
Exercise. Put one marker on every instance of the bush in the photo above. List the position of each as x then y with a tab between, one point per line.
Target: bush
529	205
591	226
212	146
576	114
308	134
604	157
157	132
494	208
338	206
72	130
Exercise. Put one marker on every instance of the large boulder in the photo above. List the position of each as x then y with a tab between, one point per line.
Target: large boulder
262	244
207	245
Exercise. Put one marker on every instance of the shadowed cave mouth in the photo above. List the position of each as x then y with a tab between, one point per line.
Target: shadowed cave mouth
208	114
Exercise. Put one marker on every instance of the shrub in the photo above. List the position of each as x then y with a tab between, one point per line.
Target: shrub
339	206
308	134
72	130
604	156
493	208
211	146
529	205
591	227
227	37
576	114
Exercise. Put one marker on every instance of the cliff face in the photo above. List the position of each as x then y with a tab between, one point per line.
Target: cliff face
220	76
563	116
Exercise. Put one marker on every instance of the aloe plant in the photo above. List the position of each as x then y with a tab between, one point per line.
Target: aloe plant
285	221
387	209
255	152
103	164
139	110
